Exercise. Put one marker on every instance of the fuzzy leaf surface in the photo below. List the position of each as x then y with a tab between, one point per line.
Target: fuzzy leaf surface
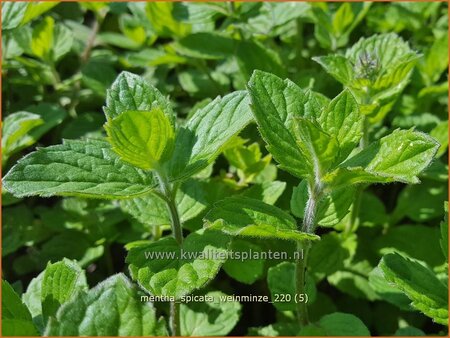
199	142
275	104
77	168
427	293
242	216
164	268
112	308
132	92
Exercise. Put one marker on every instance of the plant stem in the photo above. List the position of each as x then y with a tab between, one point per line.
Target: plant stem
309	222
300	282
175	319
168	193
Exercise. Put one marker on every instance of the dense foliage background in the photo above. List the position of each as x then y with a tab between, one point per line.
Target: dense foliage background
58	60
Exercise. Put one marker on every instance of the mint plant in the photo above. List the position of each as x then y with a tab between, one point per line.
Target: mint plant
315	141
145	153
245	168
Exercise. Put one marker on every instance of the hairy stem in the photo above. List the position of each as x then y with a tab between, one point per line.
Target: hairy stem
175	319
309	223
168	193
300	282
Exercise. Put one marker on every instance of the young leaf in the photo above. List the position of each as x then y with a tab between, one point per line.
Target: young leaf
16	319
196	319
427	293
199	142
242	216
400	156
132	92
319	149
141	138
61	282
275	105
77	168
164	268
112	308
343	120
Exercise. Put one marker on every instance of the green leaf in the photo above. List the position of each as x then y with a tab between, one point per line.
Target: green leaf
33	300
12	14
24	128
16	319
281	282
36	9
328	255
61	282
76	168
421	202
275	104
132	92
435	61
247	268
42	38
164	268
337	66
427	293
112	308
440	133
141	138
400	156
162	20
319	149
196	319
387	291
343	120
205	45
242	216
199	142
338	324
268	192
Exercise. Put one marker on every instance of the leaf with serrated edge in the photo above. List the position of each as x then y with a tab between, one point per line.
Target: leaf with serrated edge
199	142
132	92
164	268
275	104
141	138
343	120
242	216
400	156
61	281
77	168
427	293
112	308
